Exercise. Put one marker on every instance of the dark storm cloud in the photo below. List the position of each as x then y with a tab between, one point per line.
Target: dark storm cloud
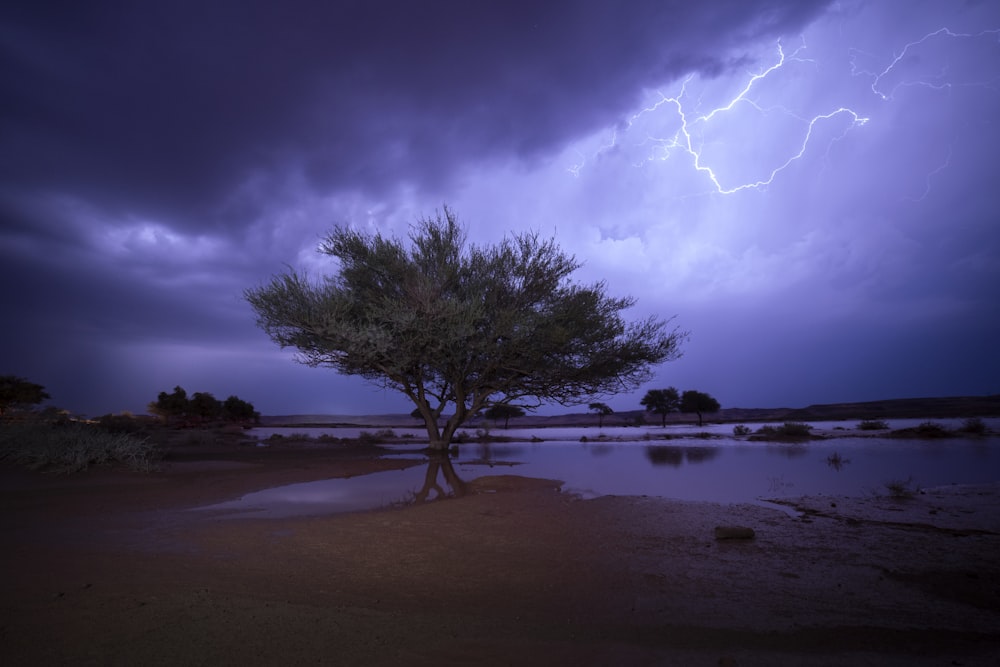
165	108
156	159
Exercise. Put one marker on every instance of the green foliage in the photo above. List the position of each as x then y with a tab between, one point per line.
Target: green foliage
74	447
741	429
450	324
661	402
698	402
872	425
16	392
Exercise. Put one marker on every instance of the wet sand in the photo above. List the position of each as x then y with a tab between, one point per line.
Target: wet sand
112	567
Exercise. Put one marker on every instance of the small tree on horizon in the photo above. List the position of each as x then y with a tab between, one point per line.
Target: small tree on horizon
602	410
504	411
698	402
450	324
661	402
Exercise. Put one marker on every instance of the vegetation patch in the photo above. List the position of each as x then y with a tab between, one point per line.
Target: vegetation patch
74	447
900	489
872	425
929	430
974	426
789	431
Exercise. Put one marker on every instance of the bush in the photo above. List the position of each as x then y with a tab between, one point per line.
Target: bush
74	447
872	425
795	429
931	429
367	438
973	425
787	431
901	489
741	429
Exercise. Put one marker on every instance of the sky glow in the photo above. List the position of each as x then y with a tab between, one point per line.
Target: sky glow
809	187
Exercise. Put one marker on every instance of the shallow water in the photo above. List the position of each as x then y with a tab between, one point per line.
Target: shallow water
722	470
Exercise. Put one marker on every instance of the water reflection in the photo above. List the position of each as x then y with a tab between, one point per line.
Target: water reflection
440	465
670	455
836	461
728	471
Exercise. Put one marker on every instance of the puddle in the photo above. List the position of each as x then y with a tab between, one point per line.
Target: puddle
726	471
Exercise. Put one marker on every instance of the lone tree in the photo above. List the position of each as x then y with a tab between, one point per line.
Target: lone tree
504	411
661	402
602	410
16	392
448	323
698	402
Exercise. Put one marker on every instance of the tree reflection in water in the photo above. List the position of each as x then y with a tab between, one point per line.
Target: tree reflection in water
669	455
440	466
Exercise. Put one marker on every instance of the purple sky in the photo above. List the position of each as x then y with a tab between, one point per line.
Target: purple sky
810	187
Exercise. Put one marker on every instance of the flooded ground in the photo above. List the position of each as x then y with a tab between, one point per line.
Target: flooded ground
638	462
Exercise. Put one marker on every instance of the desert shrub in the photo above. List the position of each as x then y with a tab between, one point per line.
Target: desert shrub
74	447
973	425
787	431
872	425
794	429
368	438
741	429
931	429
901	489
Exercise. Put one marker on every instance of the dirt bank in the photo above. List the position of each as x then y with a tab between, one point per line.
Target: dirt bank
114	568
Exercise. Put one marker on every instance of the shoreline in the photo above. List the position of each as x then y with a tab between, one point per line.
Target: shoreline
514	572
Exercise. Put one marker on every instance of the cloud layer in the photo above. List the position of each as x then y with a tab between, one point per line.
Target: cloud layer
807	189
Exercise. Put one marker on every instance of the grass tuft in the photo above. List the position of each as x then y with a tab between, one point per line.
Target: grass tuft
74	447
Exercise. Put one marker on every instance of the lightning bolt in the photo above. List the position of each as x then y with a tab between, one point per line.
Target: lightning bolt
934	172
690	128
878	78
682	131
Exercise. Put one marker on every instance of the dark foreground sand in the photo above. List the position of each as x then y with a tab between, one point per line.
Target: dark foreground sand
113	568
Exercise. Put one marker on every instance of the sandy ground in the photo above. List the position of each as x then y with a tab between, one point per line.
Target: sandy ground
110	567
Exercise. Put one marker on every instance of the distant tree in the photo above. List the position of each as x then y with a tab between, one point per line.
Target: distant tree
205	406
235	409
601	410
661	402
17	392
170	406
504	411
698	402
459	326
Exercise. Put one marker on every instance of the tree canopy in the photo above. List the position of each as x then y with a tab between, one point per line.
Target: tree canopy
698	402
202	407
452	324
661	402
16	392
